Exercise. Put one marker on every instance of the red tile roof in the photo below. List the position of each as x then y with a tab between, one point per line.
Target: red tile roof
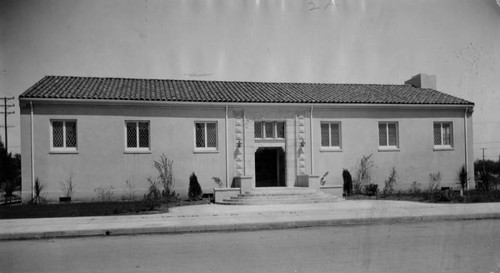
120	89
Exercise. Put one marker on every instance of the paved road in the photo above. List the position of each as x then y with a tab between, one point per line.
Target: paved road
462	246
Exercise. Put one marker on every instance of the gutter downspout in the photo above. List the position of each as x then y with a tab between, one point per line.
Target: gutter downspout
227	151
312	140
32	153
466	147
244	143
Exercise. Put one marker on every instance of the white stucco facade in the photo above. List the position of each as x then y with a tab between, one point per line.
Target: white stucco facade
102	160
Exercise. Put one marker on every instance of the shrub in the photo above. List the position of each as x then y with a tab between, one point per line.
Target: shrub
67	187
484	184
194	191
129	192
218	182
390	182
432	192
9	187
104	194
363	173
371	189
166	178
38	198
415	189
462	177
434	181
346	176
322	180
153	197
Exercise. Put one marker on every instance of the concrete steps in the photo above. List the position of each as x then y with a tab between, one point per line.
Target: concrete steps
265	196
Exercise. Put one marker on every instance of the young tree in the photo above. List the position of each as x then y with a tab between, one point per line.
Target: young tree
194	191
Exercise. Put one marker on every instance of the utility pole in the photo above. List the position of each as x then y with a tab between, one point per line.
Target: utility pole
5	114
484	168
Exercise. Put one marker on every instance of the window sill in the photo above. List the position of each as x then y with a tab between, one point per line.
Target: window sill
63	151
330	149
388	149
206	151
443	148
137	151
269	139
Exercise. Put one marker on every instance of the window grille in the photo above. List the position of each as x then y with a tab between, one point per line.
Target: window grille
137	134
330	134
388	134
269	130
335	135
206	135
280	129
258	129
64	135
443	134
57	134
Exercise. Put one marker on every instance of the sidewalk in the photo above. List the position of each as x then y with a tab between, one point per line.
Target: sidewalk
210	218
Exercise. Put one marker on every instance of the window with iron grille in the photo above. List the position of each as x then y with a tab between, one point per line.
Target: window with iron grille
330	135
205	135
443	135
269	130
137	135
388	135
64	135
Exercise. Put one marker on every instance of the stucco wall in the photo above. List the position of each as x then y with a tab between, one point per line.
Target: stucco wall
101	159
416	157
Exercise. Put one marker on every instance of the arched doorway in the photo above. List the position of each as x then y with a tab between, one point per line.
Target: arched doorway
270	167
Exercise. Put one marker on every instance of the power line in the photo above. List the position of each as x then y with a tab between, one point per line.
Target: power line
5	124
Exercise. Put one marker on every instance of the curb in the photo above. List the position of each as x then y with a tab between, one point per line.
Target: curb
250	226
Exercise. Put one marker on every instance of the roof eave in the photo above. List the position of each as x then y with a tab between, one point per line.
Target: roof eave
187	103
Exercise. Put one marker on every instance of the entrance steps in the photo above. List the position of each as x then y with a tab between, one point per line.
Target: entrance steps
267	196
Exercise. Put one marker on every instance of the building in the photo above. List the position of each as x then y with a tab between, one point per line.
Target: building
106	132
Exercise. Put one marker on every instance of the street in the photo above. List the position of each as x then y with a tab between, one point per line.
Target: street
450	246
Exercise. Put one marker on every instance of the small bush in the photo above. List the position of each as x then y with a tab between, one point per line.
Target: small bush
104	194
363	173
485	181
67	187
153	198
194	191
433	192
218	182
9	187
415	189
346	176
38	198
129	191
462	177
371	189
390	182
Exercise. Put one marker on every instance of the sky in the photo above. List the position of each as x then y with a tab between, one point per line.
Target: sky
326	41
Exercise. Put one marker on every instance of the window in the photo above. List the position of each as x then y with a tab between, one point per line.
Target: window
388	135
206	135
330	135
443	135
269	129
137	135
64	135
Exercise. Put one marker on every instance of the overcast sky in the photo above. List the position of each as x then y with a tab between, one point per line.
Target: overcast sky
341	41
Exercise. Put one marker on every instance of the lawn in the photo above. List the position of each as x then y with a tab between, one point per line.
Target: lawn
16	211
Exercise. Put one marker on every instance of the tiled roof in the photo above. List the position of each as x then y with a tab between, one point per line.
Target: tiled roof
121	89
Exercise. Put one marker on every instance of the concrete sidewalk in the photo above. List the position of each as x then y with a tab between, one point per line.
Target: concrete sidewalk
210	218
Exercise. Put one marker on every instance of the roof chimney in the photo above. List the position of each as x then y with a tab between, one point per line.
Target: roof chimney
422	81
